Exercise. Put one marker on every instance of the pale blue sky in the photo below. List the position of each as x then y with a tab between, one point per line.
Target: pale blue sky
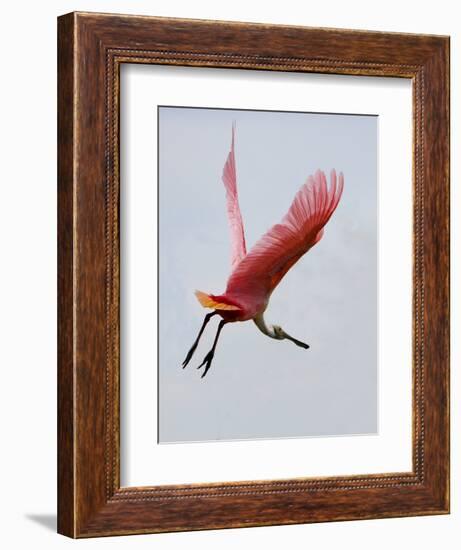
258	387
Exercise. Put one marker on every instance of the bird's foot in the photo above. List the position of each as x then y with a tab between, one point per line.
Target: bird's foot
207	362
189	355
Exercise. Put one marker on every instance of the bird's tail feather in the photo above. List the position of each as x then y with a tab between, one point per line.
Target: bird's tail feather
215	302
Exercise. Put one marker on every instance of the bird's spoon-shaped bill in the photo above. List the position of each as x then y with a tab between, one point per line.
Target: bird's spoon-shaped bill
295	341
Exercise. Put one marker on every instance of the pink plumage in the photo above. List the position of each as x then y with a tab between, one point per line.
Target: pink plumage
229	177
255	275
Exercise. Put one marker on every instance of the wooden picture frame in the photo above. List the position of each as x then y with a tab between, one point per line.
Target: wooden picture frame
91	48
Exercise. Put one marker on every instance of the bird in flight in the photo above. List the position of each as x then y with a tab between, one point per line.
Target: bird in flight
256	274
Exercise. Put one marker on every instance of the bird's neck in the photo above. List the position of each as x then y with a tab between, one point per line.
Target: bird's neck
261	324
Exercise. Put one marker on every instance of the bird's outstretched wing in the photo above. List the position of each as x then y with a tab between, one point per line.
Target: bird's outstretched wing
229	177
277	250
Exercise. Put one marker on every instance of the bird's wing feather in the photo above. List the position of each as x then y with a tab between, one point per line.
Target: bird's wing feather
229	177
282	246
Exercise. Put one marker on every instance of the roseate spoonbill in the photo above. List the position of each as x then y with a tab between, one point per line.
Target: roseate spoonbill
255	275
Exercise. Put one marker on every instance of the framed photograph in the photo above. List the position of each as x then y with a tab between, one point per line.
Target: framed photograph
253	322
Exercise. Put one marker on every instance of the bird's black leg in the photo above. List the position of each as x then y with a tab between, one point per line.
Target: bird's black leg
209	356
190	353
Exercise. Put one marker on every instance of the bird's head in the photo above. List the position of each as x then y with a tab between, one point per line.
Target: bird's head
280	334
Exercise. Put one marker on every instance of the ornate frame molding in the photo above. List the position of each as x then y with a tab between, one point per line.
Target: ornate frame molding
91	49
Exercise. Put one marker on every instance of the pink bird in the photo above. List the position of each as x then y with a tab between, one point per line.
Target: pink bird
255	275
